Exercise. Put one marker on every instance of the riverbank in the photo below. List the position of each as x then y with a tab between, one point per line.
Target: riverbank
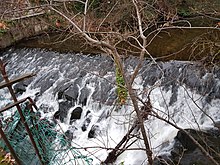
190	35
172	43
20	29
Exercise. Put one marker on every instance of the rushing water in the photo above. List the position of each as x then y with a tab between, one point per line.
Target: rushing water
182	92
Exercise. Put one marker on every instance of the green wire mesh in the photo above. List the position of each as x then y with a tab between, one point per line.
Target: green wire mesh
54	147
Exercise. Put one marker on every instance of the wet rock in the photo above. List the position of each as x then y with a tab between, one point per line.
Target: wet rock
46	81
192	77
177	149
174	95
84	93
61	114
76	114
104	115
217	125
112	96
106	65
60	90
86	124
45	108
162	160
104	93
21	86
187	153
71	93
88	112
87	121
186	142
151	75
214	92
171	74
68	135
82	73
57	115
93	131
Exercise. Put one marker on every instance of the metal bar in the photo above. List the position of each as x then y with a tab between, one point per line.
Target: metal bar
5	76
29	132
13	81
32	103
19	102
3	136
12	105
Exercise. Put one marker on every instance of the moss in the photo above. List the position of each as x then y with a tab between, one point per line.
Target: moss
185	12
2	32
120	90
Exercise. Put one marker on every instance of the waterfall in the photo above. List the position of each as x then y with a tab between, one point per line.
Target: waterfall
79	91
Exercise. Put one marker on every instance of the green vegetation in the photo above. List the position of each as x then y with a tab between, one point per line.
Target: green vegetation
79	7
11	23
2	31
121	91
184	12
122	163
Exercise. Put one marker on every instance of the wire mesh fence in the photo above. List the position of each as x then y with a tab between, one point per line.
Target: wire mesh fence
54	147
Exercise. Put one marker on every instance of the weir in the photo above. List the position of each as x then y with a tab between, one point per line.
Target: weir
76	94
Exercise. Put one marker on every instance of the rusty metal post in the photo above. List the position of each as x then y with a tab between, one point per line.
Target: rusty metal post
3	136
5	77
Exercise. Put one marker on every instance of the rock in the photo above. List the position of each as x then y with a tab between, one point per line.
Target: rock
46	81
187	153
186	142
151	75
93	131
60	90
162	160
174	95
46	109
21	86
71	93
76	114
68	92
86	124
112	96
196	157
57	115
68	135
217	125
82	73
104	93
88	112
177	149
61	114
84	93
197	78
87	121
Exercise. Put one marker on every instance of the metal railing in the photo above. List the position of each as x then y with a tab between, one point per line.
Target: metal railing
16	103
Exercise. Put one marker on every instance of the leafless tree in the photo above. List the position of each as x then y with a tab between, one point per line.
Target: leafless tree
107	40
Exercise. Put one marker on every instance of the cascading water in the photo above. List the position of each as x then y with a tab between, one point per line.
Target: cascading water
79	92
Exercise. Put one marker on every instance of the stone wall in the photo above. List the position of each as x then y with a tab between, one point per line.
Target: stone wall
23	28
